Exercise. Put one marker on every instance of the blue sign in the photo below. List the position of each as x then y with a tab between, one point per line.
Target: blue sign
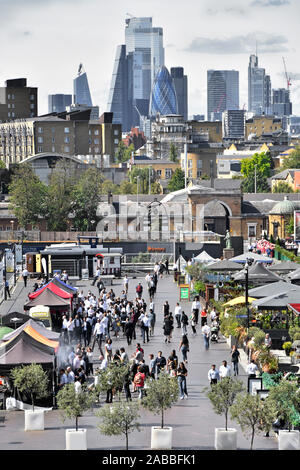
241	316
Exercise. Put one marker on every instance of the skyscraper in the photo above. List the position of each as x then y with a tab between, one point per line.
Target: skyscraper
222	92
81	88
136	65
163	96
233	124
282	105
181	88
259	88
58	103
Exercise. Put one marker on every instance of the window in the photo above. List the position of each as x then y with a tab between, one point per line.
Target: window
190	163
199	173
116	141
96	132
8	97
190	173
66	148
40	149
53	148
53	129
251	231
32	97
40	140
67	130
53	140
40	130
158	172
168	173
32	105
116	132
8	114
12	96
8	105
199	163
67	140
96	141
96	149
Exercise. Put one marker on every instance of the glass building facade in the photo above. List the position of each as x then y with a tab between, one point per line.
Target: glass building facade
82	93
259	88
222	92
163	97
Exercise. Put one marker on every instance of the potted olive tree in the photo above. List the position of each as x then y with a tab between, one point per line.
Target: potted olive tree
32	380
286	398
222	396
253	414
161	395
118	419
73	404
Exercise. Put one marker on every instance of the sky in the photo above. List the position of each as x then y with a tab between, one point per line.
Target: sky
45	40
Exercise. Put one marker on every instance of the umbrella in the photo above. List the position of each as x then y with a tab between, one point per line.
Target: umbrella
224	265
258	258
239	300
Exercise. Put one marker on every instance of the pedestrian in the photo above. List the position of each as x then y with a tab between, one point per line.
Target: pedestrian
97	275
172	359
160	362
168	327
6	287
195	308
235	356
177	314
184	347
139	382
193	322
224	370
128	329
203	317
206	335
181	375
213	375
167	266
139	290
166	308
252	369
152	366
184	323
63	379
25	275
268	341
126	284
70	375
152	320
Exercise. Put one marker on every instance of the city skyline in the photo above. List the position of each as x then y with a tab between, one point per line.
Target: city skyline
206	35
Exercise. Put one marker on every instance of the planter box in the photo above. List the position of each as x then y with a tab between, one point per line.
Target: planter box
225	440
288	440
34	420
161	438
76	440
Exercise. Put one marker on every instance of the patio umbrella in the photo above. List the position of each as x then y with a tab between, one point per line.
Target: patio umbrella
239	300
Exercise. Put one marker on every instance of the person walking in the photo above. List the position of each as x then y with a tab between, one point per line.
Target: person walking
97	275
177	314
160	362
25	276
206	335
139	382
184	347
193	322
235	357
224	370
181	376
213	375
168	327
126	283
252	369
6	287
184	323
195	308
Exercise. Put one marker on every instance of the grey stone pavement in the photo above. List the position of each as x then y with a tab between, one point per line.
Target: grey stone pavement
193	419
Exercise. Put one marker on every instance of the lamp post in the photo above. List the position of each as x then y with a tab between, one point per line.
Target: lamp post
246	292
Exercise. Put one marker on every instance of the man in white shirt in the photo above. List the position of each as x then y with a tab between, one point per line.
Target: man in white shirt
177	314
71	327
224	370
213	375
97	275
25	275
70	376
63	380
251	369
206	335
126	283
195	308
145	325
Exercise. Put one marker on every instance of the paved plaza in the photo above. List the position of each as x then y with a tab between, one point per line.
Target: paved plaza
193	419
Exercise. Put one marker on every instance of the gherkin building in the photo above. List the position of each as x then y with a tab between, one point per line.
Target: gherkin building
163	96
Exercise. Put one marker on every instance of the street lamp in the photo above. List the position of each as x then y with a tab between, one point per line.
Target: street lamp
248	263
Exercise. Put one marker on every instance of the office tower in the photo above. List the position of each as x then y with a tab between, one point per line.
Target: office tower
81	88
58	103
233	124
259	88
17	101
163	96
282	105
137	63
181	88
222	92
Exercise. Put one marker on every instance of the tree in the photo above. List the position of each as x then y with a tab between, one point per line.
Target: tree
59	200
253	414
260	163
223	395
292	160
282	187
161	394
119	418
27	195
173	153
32	380
72	404
126	187
85	198
123	153
286	399
112	377
140	177
177	181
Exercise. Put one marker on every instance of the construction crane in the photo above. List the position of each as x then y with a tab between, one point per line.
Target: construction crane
288	80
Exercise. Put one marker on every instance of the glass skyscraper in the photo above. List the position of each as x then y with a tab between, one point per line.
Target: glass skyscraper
259	88
136	65
222	92
82	93
58	103
181	88
163	96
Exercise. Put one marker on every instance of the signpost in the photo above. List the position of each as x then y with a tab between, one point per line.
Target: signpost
184	292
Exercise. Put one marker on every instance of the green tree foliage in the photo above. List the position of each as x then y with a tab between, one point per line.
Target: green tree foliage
140	177
123	153
173	153
86	196
286	399
72	404
177	181
253	414
282	187
161	394
119	418
27	195
31	380
292	160
263	163
223	395
112	377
